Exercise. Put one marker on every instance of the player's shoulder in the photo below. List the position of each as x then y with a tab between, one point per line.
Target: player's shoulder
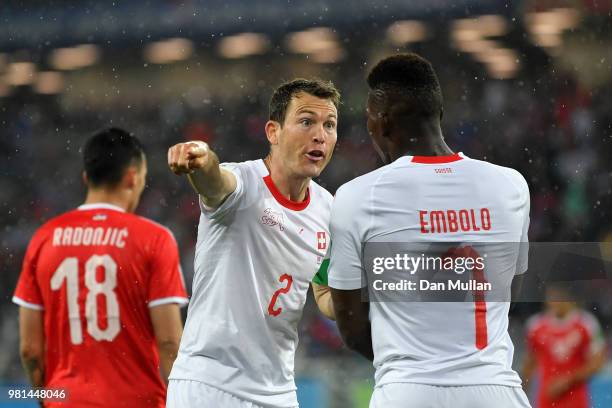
362	184
149	226
588	320
508	174
535	322
244	166
57	221
320	193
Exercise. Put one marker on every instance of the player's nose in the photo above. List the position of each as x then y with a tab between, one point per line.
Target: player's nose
320	134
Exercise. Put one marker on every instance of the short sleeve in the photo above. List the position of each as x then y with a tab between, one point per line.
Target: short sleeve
345	267
523	257
166	284
27	293
233	199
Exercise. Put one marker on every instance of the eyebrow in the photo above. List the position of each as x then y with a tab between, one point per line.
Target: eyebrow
313	113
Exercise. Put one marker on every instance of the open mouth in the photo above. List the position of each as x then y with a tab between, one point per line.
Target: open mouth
315	155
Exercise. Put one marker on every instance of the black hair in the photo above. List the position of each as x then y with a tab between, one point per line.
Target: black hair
108	153
411	79
316	87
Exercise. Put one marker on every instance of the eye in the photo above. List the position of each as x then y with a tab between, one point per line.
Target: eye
305	122
330	124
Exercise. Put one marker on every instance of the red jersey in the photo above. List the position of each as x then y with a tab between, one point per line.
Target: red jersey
95	272
561	346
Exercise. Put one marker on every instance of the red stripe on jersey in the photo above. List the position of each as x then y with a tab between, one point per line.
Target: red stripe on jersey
436	159
284	201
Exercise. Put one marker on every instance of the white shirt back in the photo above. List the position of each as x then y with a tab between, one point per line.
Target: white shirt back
255	257
434	342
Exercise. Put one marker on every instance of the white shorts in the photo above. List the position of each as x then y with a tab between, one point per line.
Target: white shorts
195	394
409	395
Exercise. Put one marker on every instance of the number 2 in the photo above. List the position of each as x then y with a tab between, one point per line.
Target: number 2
271	310
69	271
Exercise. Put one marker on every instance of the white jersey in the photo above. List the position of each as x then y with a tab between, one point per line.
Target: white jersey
424	200
255	257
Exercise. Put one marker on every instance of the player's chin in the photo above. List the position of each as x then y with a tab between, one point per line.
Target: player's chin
313	169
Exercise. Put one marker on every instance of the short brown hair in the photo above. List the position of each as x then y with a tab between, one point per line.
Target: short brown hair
316	87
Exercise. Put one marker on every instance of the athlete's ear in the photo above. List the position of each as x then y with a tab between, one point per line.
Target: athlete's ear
272	131
130	178
84	177
385	125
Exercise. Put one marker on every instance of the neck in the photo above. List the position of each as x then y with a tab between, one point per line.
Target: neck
425	139
102	195
290	186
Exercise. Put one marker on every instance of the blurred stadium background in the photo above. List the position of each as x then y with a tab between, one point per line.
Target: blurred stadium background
527	84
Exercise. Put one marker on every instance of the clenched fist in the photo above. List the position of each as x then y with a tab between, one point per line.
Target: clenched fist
184	158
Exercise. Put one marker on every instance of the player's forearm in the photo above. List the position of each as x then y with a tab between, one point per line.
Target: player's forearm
322	295
361	342
588	370
167	354
528	370
212	182
527	376
34	368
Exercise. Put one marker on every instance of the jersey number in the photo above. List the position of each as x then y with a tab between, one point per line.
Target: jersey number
69	271
480	304
284	278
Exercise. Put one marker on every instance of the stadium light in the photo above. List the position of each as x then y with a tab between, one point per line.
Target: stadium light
472	35
405	32
320	43
244	45
72	58
469	30
168	51
311	40
49	83
546	27
20	73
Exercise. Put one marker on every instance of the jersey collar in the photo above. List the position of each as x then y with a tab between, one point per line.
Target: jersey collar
280	198
99	206
436	159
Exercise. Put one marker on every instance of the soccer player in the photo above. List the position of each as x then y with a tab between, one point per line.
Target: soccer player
566	345
263	233
426	354
100	290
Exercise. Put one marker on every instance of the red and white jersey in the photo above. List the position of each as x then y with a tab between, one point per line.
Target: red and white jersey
95	272
255	257
446	199
562	346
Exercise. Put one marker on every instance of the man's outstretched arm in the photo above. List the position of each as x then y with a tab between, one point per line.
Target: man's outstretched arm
201	166
32	344
352	317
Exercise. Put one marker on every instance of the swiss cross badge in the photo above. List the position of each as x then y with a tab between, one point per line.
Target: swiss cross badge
321	240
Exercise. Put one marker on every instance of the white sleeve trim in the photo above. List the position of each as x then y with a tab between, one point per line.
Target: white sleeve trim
182	301
344	284
23	303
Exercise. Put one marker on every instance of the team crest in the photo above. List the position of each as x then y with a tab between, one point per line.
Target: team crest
273	218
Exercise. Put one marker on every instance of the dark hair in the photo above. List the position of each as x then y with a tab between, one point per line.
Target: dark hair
316	87
108	153
409	78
